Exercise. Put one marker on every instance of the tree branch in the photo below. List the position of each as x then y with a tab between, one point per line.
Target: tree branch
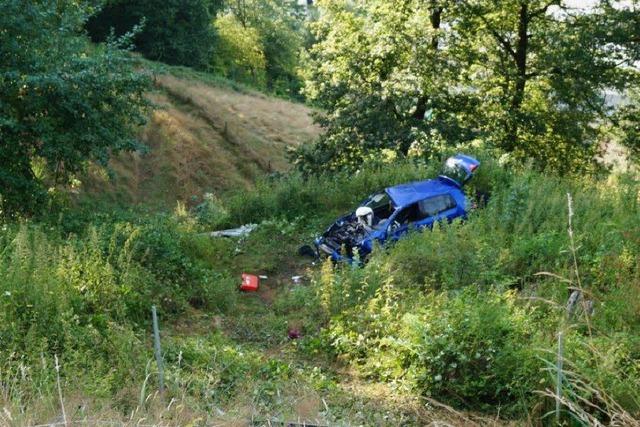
543	9
499	38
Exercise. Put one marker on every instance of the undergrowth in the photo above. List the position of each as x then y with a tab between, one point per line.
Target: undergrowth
459	315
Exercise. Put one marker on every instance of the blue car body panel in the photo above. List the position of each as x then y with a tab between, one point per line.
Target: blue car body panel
407	194
402	197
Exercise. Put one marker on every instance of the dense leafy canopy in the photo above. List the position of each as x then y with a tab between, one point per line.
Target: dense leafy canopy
527	77
276	29
174	31
240	54
256	42
628	124
61	102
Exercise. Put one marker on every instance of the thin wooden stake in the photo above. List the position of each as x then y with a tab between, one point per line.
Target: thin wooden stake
64	413
559	363
157	349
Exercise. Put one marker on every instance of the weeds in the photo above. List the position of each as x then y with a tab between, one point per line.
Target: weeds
452	332
458	314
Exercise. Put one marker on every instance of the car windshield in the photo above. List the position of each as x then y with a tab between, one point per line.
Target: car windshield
382	208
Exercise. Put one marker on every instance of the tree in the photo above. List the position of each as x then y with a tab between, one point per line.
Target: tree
525	76
620	31
627	122
177	32
387	75
62	102
240	54
278	24
542	70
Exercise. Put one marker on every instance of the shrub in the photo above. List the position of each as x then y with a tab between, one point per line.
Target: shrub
87	297
476	349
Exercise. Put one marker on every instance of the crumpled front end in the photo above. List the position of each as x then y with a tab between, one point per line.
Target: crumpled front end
343	239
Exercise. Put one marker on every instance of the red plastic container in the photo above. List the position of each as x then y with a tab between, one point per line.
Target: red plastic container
249	282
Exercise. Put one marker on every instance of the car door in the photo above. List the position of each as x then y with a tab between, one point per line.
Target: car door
403	221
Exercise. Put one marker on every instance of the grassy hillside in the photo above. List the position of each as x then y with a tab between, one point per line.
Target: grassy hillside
204	135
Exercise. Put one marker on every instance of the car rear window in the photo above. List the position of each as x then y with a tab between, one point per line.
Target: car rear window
454	169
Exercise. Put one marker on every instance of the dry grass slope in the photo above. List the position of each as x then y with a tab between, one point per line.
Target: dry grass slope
202	138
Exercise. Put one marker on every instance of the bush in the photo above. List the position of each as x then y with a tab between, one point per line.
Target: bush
88	102
476	349
240	54
179	279
87	297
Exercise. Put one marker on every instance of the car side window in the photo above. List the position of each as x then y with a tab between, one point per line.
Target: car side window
435	205
425	209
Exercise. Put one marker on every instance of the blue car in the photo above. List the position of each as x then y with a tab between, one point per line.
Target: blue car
392	213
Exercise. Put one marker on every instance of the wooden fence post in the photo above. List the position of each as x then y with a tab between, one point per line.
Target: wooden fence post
157	349
559	363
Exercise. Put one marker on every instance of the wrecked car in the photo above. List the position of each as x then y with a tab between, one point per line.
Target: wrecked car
390	214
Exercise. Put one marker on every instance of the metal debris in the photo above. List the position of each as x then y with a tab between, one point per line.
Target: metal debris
234	232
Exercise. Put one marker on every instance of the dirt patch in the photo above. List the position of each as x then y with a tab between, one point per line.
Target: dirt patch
267	293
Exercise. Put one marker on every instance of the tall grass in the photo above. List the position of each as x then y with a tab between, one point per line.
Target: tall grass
458	314
410	318
321	196
85	298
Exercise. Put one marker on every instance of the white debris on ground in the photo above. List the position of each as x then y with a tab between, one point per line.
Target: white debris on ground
234	232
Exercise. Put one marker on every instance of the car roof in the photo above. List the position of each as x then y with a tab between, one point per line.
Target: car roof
407	194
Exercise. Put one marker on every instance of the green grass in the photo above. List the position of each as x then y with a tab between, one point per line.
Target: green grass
457	314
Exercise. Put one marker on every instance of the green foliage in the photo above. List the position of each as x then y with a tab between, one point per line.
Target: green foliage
475	349
520	76
61	103
628	124
211	211
541	78
176	32
318	197
604	369
381	74
271	30
221	379
460	313
457	314
182	277
87	297
240	54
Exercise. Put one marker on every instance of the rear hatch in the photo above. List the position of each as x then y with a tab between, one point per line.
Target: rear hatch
459	169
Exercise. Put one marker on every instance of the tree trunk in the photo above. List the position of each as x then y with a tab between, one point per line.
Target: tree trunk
520	57
436	17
